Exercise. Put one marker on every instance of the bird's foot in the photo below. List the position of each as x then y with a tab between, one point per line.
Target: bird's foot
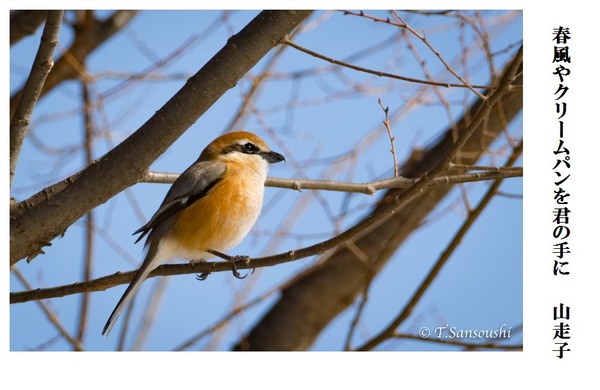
233	260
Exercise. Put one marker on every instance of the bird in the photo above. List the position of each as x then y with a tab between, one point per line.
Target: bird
208	210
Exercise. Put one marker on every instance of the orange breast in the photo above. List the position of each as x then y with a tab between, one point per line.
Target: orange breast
222	218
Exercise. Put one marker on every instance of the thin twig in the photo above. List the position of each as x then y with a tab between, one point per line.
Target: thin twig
376	72
386	123
327	69
42	64
89	220
466	167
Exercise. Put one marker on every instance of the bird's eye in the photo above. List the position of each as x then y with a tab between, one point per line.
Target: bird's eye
249	148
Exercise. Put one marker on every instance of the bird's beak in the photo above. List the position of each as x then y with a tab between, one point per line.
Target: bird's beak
273	157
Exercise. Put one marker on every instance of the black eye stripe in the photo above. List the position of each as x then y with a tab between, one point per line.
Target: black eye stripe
249	148
245	147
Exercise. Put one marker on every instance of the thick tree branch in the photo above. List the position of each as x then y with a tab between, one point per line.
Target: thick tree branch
38	220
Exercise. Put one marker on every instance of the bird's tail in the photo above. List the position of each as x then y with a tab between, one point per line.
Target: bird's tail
150	262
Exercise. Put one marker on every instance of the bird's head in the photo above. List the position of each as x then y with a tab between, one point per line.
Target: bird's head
241	147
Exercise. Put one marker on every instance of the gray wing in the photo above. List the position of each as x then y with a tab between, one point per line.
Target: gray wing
194	183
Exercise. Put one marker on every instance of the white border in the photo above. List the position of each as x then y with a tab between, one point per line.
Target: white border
425	369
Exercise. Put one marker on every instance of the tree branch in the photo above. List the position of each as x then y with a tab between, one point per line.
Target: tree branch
376	72
88	126
386	123
369	188
42	64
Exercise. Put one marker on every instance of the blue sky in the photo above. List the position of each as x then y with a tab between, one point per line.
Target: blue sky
480	288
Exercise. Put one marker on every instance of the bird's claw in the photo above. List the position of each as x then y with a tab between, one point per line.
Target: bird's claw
202	276
233	260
